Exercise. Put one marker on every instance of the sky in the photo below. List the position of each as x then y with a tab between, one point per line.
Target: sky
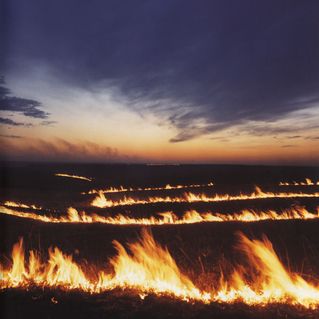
172	81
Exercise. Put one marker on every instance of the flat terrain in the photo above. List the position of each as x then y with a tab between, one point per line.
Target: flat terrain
198	249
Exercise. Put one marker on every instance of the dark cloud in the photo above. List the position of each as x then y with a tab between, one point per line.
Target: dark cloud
10	122
264	130
218	62
17	104
189	131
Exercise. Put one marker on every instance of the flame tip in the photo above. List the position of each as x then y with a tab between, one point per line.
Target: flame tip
150	268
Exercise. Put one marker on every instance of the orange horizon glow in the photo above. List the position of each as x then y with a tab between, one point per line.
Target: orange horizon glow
238	151
101	128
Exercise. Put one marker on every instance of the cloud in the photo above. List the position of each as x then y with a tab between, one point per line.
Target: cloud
278	128
189	130
288	145
312	137
27	107
219	62
6	121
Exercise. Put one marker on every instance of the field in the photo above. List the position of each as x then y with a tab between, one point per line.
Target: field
188	241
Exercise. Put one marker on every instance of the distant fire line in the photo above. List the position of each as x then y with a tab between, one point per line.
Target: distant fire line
20	205
74	176
148	268
307	182
102	202
122	189
167	218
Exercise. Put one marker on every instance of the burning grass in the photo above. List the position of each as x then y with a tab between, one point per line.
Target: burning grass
122	189
146	267
164	218
74	176
306	182
103	202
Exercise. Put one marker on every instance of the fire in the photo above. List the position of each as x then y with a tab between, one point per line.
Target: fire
167	218
266	280
59	270
74	176
150	267
122	189
146	267
306	182
20	205
102	202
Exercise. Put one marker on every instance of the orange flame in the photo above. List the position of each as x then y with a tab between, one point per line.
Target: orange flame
307	182
20	205
122	189
74	176
269	281
149	268
102	202
167	218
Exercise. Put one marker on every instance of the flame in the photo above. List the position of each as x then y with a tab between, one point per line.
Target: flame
306	182
59	270
147	267
122	189
266	280
74	176
102	202
167	218
20	205
152	268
